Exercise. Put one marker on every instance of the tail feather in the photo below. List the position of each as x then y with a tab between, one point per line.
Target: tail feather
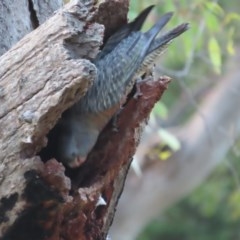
153	32
124	31
138	22
168	37
158	46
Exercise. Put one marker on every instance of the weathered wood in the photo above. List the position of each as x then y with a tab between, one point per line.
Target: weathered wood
19	17
40	77
13	26
42	10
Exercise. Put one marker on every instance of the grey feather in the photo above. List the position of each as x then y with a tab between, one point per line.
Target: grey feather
116	70
123	32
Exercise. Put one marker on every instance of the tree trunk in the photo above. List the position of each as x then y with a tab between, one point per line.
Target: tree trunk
42	75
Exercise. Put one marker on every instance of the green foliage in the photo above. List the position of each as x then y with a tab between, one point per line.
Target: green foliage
160	110
214	51
234	200
211	31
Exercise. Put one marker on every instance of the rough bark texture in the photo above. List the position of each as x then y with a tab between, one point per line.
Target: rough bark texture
19	17
40	77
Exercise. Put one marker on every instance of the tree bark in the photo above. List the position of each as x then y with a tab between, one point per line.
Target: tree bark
41	76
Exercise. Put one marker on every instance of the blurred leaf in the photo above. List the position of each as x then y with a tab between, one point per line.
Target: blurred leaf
234	201
186	42
230	43
169	139
212	22
230	17
160	110
214	52
214	8
167	6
